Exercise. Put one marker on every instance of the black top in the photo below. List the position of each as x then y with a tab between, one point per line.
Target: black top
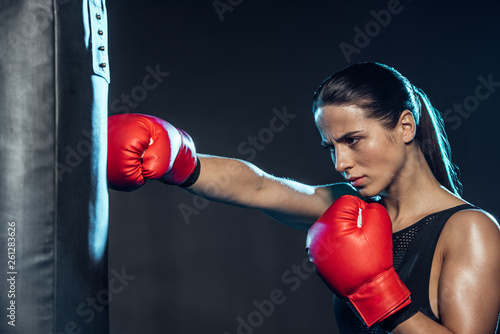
413	249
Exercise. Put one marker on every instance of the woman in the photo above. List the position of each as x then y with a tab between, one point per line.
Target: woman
389	144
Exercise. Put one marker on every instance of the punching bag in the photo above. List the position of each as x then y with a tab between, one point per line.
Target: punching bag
54	77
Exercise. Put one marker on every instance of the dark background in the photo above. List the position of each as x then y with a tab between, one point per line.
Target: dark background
226	75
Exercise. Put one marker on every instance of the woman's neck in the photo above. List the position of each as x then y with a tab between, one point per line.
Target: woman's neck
415	193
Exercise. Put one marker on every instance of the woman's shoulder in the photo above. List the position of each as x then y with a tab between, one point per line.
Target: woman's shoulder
472	228
473	217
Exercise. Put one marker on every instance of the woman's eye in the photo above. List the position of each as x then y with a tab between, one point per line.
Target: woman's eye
351	141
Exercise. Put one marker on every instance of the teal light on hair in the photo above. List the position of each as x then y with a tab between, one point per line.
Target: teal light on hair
443	146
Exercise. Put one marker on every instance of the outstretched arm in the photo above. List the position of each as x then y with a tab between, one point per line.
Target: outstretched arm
241	183
142	147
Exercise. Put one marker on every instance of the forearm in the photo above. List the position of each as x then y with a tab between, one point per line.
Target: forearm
240	183
229	181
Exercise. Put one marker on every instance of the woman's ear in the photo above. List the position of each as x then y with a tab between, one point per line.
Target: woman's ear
407	126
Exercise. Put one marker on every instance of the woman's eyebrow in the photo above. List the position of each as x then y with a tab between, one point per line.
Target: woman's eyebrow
345	135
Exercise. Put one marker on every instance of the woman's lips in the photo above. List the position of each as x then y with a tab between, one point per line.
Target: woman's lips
356	181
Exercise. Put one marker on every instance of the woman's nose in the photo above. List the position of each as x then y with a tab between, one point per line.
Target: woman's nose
342	160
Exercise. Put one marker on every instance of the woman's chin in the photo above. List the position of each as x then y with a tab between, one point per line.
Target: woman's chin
366	192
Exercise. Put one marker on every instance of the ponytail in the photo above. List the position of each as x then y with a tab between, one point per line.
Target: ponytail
433	141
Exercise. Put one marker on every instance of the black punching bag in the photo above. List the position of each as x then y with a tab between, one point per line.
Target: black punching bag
54	80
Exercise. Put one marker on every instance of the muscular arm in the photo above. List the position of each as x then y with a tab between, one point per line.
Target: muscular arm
142	147
240	183
469	289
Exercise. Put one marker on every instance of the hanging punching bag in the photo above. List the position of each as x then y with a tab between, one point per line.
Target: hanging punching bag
54	77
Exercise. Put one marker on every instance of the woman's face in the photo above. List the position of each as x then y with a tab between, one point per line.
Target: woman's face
368	155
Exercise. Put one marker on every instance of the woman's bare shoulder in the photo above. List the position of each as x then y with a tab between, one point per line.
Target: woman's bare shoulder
474	228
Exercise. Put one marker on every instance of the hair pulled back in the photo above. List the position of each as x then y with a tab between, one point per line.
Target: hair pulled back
384	94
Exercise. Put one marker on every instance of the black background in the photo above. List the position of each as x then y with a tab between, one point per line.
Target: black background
226	75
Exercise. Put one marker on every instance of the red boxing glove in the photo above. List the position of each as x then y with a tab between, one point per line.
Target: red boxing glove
351	248
144	147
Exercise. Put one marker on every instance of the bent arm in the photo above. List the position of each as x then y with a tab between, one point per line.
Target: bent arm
241	183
